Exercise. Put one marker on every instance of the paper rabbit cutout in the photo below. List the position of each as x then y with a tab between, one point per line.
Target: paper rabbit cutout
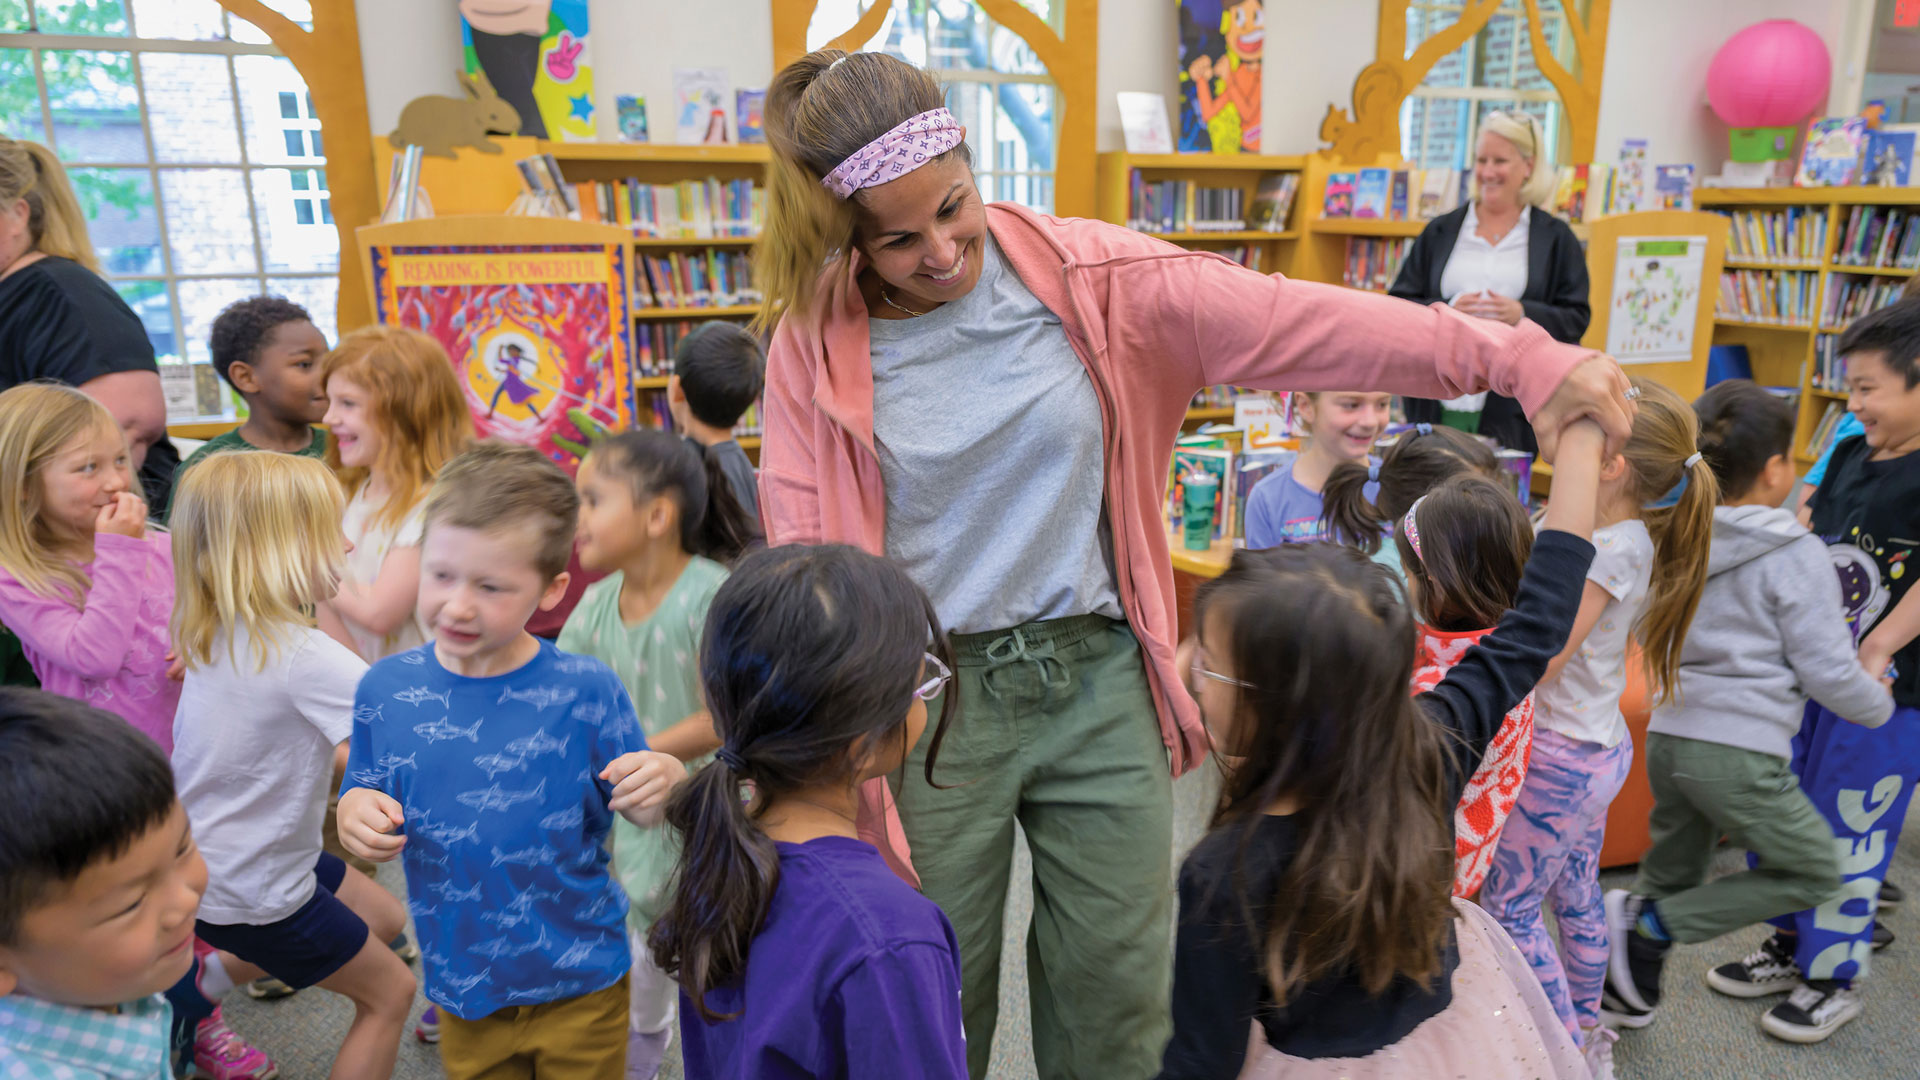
438	124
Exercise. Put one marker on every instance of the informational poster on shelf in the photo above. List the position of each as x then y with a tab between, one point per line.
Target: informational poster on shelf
1656	298
540	335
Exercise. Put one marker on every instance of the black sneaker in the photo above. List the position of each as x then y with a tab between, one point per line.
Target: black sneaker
1634	960
1815	1011
404	948
1890	897
1767	970
1882	937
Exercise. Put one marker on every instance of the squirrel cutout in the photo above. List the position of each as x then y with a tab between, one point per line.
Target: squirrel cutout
438	124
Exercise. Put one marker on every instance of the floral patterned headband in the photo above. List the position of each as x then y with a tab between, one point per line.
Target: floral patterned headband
907	146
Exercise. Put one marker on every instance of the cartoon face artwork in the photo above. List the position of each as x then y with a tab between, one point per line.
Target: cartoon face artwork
1863	596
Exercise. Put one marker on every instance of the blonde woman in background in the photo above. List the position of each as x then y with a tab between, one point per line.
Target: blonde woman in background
1500	256
59	319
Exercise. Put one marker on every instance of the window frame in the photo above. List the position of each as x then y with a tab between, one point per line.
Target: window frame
1475	93
36	44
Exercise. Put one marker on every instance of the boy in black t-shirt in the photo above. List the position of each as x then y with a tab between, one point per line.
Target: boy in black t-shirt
1867	509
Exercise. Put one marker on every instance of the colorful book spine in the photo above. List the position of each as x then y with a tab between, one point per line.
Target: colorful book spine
1373	263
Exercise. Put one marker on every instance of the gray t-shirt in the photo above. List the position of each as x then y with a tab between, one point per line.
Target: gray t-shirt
990	443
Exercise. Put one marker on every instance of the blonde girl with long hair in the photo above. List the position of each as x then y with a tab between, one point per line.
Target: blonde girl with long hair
84	583
395	415
1655	527
264	717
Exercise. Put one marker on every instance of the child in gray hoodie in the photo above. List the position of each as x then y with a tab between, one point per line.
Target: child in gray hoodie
1770	632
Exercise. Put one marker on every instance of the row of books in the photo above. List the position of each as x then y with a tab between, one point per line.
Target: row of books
1215	397
1249	256
1848	298
1824	431
710	278
1829	366
1797	234
1234	476
1880	236
1776	297
1394	194
653	345
1183	206
1589	192
691	209
750	425
1373	263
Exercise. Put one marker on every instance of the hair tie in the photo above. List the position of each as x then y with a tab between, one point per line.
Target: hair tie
1412	528
905	147
1423	429
731	758
838	62
1672	497
1373	472
1692	461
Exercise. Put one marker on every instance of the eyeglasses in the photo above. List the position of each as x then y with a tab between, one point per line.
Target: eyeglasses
1200	671
938	677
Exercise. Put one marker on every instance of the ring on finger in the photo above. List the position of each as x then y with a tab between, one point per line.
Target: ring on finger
1633	393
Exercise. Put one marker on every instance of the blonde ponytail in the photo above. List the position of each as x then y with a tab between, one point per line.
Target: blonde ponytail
54	221
1664	456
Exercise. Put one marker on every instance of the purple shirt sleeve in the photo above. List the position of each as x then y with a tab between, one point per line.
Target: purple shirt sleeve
91	642
899	1011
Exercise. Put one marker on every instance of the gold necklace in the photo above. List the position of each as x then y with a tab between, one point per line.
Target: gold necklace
889	302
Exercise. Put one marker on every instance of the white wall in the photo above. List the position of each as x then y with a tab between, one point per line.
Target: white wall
1656	65
1656	74
412	47
1314	49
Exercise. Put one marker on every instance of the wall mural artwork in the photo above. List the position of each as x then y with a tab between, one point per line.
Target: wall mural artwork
1222	43
535	54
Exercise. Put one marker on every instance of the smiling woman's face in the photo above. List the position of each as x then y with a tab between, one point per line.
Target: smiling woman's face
923	233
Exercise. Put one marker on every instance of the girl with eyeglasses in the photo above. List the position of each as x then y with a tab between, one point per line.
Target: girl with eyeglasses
1318	936
798	951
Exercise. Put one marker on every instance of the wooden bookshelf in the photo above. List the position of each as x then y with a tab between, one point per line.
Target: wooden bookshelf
1114	192
1367	227
1783	355
666	163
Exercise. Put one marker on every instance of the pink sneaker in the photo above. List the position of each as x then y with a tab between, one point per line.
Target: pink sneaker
221	1055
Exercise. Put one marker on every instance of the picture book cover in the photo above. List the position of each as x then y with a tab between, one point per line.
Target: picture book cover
1339	198
1273	202
1222	44
700	105
1143	121
1397	197
1831	155
1217	461
1370	193
1673	187
632	111
540	335
749	107
1435	185
1630	188
535	54
1889	160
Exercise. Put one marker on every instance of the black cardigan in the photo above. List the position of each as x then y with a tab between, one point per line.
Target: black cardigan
1555	298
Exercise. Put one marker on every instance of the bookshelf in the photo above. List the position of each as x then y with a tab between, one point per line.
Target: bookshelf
720	259
1825	236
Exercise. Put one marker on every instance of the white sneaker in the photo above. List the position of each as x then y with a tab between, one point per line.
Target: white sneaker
1815	1011
1597	1049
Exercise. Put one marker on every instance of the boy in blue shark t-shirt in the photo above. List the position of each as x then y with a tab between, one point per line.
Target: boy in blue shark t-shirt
494	762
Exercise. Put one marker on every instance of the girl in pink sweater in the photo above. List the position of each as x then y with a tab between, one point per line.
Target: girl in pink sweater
84	583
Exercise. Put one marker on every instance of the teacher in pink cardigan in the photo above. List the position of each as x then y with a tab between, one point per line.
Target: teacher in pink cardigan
990	396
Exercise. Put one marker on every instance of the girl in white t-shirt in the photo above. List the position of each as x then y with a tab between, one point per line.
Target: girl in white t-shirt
395	414
265	712
1650	563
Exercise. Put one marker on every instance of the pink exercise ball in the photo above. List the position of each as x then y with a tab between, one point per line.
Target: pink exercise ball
1772	74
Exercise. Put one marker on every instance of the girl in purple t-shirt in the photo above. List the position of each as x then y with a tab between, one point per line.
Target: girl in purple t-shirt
799	953
1285	508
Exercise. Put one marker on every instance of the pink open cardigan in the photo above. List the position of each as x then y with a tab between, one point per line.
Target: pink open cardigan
1153	324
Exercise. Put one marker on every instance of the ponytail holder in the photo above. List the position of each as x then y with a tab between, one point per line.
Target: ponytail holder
1412	528
1373	472
1423	429
731	758
1672	498
838	62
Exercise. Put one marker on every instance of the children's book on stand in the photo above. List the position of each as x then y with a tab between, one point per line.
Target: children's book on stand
1338	201
1831	155
1630	183
1262	420
631	111
1370	194
1143	122
750	107
1273	202
1889	155
406	198
1212	456
1673	187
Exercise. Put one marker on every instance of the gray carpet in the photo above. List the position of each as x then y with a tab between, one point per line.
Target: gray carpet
1700	1035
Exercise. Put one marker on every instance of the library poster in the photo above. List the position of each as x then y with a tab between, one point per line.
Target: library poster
1222	43
536	56
541	336
1656	298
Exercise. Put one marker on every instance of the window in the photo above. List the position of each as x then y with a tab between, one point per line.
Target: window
1492	71
193	149
995	85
